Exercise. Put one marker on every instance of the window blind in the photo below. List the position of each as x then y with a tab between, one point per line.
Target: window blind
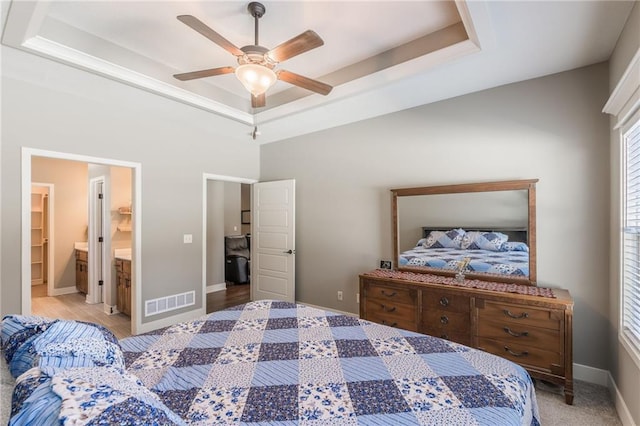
630	311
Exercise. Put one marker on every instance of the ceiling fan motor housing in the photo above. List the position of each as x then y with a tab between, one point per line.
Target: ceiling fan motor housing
256	55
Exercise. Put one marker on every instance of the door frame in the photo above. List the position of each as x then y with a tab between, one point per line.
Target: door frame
136	228
205	178
50	236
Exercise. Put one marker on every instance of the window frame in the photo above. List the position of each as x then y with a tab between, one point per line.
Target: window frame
630	342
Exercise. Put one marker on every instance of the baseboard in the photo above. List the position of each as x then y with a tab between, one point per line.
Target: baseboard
621	406
351	314
216	287
174	319
110	310
593	375
64	290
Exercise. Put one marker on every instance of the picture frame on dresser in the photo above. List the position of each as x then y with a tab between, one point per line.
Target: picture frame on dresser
504	314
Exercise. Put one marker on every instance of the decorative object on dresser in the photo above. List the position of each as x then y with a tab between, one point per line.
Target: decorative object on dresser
466	257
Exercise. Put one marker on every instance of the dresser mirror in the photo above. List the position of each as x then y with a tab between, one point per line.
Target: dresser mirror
483	230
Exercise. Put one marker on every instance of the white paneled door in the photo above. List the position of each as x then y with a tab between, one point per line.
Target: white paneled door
273	241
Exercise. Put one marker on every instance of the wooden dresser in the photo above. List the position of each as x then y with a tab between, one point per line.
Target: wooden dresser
531	330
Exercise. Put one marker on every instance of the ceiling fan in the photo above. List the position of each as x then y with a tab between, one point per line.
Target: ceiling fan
256	63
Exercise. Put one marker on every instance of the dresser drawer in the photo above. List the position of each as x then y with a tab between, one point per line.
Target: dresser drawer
524	355
521	334
452	321
518	314
444	301
388	293
458	337
390	310
404	323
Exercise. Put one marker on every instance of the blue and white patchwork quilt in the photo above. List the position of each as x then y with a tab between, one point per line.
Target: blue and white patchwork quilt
512	262
265	362
272	362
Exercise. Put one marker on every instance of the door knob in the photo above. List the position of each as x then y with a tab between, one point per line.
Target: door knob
289	251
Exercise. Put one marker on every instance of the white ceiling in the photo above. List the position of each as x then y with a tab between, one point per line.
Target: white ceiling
380	56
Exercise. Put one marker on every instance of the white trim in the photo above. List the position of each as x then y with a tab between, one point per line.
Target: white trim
625	98
74	57
621	406
110	310
136	215
206	177
593	375
216	287
64	290
165	322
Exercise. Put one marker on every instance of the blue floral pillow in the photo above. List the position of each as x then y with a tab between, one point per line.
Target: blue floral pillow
444	239
514	246
475	240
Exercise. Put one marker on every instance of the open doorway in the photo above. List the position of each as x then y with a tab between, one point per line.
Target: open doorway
84	284
226	240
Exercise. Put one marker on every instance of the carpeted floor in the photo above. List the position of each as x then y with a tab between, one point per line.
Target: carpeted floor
592	404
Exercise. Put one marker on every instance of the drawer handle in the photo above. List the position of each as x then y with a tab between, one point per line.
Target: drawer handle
391	325
444	301
444	319
384	293
522	315
384	308
515	333
521	354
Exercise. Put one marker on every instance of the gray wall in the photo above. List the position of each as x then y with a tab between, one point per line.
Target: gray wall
549	128
81	113
70	209
625	372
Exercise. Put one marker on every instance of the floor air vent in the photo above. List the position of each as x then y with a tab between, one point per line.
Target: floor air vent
169	303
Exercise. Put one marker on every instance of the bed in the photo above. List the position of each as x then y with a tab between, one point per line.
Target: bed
264	362
501	251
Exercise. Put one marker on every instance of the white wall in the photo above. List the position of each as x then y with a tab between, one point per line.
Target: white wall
549	128
50	106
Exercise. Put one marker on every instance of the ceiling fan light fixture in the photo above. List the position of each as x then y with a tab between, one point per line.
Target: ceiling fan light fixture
256	78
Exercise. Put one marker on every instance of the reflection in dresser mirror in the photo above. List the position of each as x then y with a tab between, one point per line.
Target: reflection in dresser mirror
484	230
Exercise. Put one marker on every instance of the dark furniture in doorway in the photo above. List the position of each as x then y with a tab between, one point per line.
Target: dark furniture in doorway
237	259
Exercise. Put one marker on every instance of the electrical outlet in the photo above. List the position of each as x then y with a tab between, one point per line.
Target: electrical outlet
188	238
339	295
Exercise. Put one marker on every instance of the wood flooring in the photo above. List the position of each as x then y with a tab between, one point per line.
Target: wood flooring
74	307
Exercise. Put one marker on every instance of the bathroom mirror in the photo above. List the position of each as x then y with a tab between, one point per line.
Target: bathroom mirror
484	230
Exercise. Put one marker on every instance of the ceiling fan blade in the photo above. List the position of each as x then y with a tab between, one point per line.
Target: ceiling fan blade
258	101
203	29
304	82
203	73
299	44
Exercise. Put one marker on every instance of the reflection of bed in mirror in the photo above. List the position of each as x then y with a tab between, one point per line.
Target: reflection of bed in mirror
497	250
506	207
